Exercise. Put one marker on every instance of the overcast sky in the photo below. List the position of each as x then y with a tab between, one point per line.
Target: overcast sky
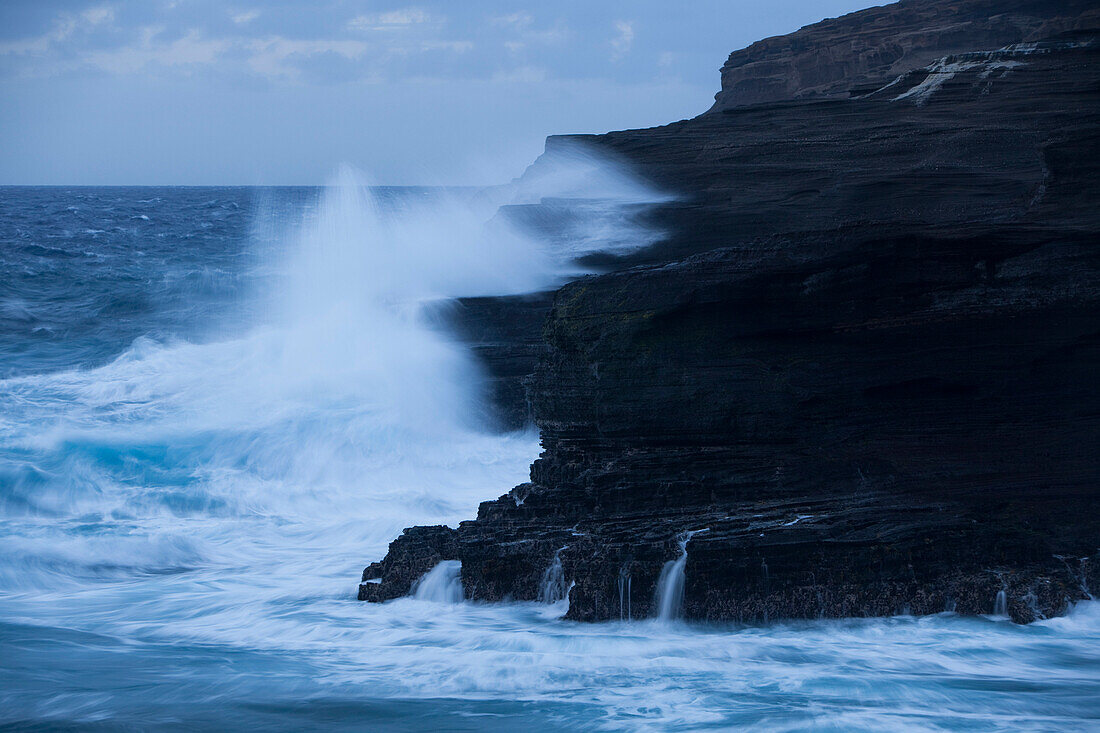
284	91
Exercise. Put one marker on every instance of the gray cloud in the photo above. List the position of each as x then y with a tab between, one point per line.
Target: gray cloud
413	89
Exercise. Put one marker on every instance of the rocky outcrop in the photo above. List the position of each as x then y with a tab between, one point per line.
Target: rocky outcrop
873	46
858	378
410	556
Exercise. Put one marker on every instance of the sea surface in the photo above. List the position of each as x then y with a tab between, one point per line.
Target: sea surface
218	404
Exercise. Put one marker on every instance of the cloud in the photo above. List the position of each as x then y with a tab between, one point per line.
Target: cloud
621	43
246	17
392	20
69	44
271	56
522	75
408	16
518	21
39	44
293	42
64	28
524	35
99	15
454	46
548	36
192	49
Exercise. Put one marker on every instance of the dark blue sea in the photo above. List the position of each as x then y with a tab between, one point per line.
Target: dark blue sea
218	404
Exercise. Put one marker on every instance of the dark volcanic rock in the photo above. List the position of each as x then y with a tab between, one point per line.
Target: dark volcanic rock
415	552
862	370
830	58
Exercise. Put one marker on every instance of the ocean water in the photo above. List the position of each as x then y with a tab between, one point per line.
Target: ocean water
218	404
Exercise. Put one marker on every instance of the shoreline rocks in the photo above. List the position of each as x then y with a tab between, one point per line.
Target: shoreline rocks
861	368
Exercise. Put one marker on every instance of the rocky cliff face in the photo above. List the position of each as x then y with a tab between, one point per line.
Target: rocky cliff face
830	58
859	377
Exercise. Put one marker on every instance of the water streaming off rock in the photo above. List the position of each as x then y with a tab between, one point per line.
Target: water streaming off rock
441	584
553	587
669	598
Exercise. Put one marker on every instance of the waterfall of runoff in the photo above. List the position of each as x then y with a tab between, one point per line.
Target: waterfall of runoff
441	584
218	404
553	587
669	598
625	589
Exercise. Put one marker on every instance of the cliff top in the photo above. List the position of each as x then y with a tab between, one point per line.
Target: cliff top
830	58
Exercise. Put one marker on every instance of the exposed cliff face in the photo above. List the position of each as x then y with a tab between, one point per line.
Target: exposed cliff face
861	370
830	58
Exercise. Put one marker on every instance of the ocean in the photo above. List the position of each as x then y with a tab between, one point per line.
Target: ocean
217	405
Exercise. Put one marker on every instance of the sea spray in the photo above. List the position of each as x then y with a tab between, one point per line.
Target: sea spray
326	418
301	407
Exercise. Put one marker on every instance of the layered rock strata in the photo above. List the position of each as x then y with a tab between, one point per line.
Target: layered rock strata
873	46
861	370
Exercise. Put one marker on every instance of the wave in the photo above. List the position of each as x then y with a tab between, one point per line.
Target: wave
338	405
323	403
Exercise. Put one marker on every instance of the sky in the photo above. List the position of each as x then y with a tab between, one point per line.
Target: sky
282	92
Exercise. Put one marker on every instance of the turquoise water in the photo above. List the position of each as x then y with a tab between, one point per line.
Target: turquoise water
217	405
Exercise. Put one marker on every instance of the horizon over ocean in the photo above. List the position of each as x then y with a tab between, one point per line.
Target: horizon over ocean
218	403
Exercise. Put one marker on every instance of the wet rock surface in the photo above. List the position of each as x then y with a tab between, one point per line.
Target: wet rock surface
410	556
862	368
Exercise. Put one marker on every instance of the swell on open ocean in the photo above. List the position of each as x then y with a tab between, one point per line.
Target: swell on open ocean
218	404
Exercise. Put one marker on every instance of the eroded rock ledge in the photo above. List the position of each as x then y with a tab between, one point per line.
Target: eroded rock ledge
862	369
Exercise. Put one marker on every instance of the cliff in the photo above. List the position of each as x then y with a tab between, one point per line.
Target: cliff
857	378
873	46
